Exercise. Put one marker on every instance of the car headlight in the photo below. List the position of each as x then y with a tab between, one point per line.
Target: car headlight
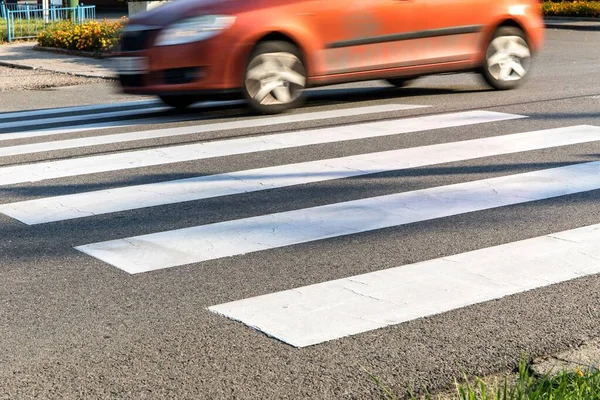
518	10
194	29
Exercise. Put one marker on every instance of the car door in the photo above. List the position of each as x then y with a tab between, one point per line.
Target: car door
452	28
365	35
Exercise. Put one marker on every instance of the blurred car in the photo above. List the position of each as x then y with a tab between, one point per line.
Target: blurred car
270	51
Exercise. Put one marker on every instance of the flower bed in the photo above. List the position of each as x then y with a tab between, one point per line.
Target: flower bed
91	36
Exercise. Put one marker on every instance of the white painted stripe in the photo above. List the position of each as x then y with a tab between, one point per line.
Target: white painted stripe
65	110
97	126
143	105
79	118
134	197
332	310
168	155
194	130
232	238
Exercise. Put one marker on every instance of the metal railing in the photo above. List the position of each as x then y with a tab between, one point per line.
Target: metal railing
25	21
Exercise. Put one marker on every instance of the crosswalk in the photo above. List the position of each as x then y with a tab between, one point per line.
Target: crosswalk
323	311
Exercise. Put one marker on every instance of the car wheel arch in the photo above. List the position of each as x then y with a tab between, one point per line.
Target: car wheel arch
489	33
242	58
284	37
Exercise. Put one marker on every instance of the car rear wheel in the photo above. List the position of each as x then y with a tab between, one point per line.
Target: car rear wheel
275	78
507	59
179	102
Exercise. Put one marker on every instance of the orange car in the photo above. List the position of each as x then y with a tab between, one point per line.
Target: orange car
270	51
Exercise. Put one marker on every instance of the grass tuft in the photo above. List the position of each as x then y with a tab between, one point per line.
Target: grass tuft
581	384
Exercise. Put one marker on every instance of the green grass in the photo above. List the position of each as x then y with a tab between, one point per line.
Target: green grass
22	28
526	385
3	33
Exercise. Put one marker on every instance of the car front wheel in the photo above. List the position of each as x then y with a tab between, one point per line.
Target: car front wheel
275	78
507	59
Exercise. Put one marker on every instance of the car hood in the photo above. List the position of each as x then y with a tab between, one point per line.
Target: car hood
176	10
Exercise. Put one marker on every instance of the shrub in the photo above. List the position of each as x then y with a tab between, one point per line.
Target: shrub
586	9
91	36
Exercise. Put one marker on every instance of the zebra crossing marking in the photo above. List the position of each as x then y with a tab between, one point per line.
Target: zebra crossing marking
315	314
194	130
75	118
97	126
231	238
59	208
174	154
331	310
66	110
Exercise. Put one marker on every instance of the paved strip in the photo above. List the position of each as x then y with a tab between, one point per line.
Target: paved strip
59	208
66	110
332	310
194	130
181	153
231	238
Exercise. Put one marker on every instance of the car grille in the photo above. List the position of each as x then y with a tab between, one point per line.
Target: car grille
138	40
181	75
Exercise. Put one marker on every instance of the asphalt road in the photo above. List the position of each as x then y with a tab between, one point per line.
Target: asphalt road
75	326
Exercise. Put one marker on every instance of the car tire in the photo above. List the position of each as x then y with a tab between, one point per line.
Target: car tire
400	82
180	101
507	59
275	78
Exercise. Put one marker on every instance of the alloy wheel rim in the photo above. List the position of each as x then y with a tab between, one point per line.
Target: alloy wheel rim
508	58
275	78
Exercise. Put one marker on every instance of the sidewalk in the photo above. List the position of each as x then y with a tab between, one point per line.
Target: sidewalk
23	55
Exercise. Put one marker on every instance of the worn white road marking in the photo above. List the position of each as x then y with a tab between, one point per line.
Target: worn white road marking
332	310
79	118
181	153
77	109
196	129
230	238
79	205
97	126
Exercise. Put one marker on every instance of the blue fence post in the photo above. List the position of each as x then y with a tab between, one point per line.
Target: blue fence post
2	9
8	25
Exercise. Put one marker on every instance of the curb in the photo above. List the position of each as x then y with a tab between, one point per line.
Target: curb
572	19
75	53
572	23
571	27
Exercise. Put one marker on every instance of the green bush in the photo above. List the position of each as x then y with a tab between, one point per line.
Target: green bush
585	9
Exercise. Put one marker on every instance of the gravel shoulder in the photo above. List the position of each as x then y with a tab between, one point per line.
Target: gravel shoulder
15	79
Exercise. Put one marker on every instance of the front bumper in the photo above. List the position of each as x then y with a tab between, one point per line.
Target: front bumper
192	68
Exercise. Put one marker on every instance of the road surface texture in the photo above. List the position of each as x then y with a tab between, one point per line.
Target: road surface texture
214	254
